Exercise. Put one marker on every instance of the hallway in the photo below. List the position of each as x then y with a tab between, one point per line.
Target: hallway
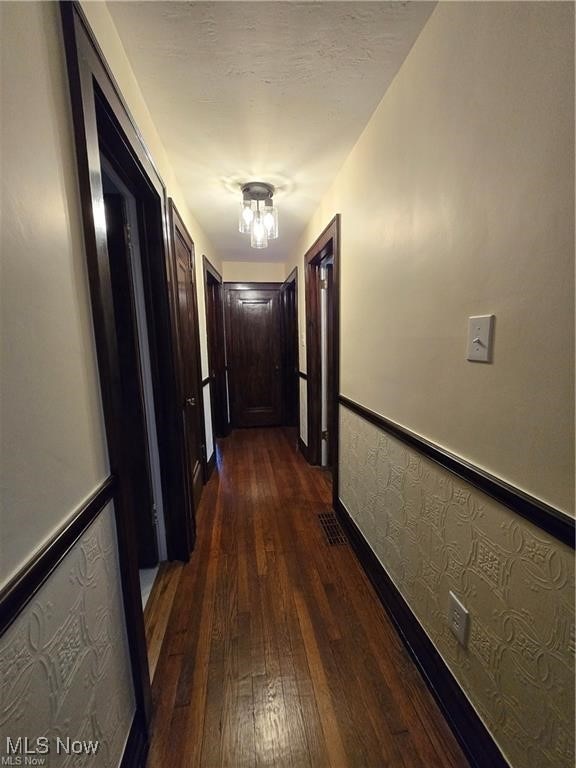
270	648
268	267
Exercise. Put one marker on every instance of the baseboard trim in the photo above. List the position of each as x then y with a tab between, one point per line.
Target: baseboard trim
211	465
26	583
547	518
303	448
136	749
473	736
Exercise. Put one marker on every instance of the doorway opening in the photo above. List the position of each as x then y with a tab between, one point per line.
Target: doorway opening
214	298
322	277
128	288
137	327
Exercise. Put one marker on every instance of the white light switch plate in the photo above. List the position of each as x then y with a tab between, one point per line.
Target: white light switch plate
480	338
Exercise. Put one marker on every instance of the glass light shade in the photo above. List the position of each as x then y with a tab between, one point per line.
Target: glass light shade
258	234
246	217
270	218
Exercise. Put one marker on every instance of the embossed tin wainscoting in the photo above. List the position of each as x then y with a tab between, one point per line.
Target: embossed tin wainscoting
64	662
432	533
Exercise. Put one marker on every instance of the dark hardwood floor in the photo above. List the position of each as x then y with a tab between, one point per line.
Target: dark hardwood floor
270	647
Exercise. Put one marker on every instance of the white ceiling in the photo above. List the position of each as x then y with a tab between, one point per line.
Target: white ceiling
269	91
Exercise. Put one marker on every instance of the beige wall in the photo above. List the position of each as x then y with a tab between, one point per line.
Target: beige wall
107	35
457	200
253	272
53	450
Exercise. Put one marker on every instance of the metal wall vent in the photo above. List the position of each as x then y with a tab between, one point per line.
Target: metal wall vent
332	529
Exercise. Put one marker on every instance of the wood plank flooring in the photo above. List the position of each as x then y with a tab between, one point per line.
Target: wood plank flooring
270	648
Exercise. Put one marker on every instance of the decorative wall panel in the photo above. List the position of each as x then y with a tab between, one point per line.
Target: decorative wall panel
64	663
434	533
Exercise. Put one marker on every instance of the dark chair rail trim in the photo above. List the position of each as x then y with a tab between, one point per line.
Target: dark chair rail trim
26	583
303	375
206	381
549	519
473	736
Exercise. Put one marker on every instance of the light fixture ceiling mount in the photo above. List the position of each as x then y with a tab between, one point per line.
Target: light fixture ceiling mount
258	214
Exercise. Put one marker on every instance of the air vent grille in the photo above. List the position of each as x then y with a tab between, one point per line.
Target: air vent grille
332	529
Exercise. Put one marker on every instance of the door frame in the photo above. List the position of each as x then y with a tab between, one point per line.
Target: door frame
212	274
176	222
327	244
292	278
102	122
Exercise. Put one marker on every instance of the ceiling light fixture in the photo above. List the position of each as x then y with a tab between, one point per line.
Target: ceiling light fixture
258	214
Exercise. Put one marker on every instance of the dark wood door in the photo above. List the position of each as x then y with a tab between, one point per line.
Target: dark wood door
134	418
254	356
216	354
189	364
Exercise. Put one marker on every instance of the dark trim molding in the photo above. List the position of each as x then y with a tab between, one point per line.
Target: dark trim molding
209	267
136	749
211	465
205	382
303	375
327	244
473	736
179	232
26	583
303	448
549	519
253	286
290	316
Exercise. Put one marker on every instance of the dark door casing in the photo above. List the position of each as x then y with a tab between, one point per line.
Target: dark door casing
290	378
253	337
216	349
189	364
325	251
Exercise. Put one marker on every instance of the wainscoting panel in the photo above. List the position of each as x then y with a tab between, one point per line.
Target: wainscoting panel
64	662
434	533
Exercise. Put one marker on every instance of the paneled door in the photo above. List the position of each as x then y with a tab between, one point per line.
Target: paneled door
254	354
189	361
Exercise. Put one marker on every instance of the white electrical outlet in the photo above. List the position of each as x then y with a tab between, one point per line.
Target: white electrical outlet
459	620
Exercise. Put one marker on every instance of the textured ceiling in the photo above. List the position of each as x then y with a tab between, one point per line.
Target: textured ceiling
271	91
